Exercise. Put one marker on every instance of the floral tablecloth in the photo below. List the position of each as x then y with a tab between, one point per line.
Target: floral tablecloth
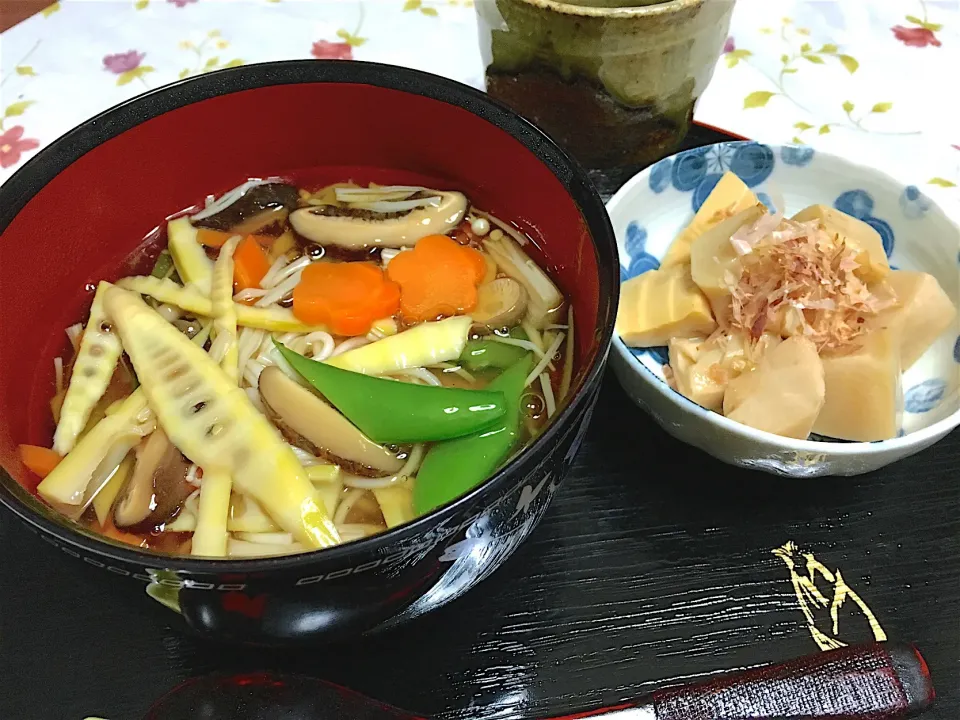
874	80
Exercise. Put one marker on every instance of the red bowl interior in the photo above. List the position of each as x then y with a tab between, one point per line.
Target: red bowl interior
80	226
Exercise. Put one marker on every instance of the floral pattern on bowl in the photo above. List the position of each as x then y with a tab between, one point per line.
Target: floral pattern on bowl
653	207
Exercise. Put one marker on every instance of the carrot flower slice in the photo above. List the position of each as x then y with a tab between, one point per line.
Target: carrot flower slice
438	278
346	297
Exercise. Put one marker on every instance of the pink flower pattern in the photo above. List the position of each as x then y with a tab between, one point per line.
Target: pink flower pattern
916	37
12	144
181	3
326	50
123	62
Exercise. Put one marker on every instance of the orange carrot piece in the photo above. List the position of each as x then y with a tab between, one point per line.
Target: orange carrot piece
346	297
438	278
212	238
40	460
110	530
250	264
216	238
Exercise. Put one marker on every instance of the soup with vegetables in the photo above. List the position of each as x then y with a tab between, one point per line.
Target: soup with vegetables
304	368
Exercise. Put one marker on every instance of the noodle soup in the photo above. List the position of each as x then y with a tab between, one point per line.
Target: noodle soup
303	367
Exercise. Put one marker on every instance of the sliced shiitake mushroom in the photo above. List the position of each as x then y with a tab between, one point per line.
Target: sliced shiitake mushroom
360	227
309	423
157	487
500	304
256	203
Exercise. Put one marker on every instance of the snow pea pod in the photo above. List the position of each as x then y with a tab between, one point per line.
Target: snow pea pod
454	467
391	412
486	354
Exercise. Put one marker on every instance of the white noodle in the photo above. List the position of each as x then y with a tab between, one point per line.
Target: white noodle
322	345
228	198
298	345
248	294
278	265
351	344
247	344
280	290
548	394
344	194
254	397
58	373
394	206
266	538
273	357
252	372
350	499
422	374
557	327
192	503
464	374
350	532
409	468
545	360
264	354
218	348
364	483
455	370
525	344
388	254
281	271
305	458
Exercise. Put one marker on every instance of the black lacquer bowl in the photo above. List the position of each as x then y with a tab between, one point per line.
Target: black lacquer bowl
73	214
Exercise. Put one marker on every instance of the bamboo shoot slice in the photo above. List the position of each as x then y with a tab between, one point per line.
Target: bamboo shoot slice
195	302
224	309
729	197
212	421
396	504
210	536
426	344
193	265
93	367
68	482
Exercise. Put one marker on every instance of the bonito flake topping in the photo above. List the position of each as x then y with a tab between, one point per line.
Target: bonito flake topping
800	279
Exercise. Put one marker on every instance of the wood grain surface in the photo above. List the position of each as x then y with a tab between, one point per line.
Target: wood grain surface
655	565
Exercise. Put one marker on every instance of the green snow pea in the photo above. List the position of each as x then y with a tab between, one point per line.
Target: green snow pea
454	467
486	354
391	412
483	354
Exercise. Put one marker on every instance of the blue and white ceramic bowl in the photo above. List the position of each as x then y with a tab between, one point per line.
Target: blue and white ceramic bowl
651	209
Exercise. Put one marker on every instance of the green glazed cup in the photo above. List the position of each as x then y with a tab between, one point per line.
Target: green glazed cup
615	86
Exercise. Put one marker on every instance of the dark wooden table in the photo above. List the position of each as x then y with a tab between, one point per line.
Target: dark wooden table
654	565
